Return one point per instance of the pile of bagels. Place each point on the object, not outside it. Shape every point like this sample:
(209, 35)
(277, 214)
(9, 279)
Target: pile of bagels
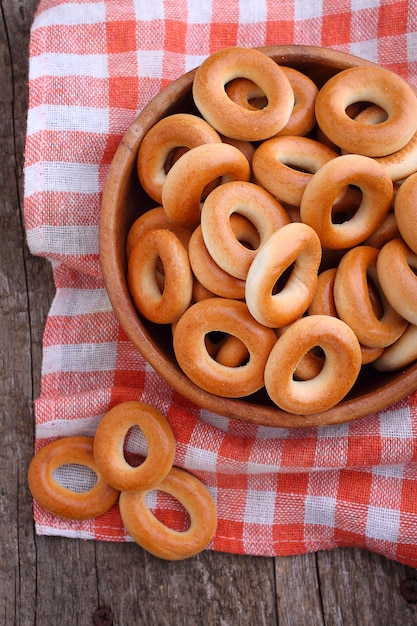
(115, 478)
(282, 244)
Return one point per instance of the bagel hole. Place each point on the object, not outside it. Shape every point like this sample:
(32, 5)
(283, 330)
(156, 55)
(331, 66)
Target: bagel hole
(346, 207)
(247, 244)
(294, 165)
(245, 231)
(173, 156)
(258, 101)
(355, 108)
(160, 275)
(310, 365)
(214, 337)
(75, 477)
(413, 268)
(375, 298)
(212, 341)
(282, 280)
(135, 447)
(168, 510)
(226, 349)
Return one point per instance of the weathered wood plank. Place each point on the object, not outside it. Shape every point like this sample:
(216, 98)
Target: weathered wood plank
(359, 587)
(66, 581)
(211, 588)
(17, 553)
(298, 591)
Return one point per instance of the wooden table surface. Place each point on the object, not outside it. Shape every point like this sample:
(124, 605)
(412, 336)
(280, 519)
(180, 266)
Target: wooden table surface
(54, 581)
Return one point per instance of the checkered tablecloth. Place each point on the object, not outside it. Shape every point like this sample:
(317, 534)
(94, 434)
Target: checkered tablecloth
(93, 66)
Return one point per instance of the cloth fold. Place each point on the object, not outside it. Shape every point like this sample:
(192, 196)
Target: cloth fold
(93, 65)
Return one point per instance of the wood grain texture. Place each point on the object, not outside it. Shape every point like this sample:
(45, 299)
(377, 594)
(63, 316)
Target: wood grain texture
(49, 581)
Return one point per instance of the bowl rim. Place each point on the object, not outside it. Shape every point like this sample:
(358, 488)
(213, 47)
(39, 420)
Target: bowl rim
(113, 270)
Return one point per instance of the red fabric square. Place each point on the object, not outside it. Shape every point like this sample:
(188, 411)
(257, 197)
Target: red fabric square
(364, 451)
(393, 17)
(293, 483)
(222, 36)
(354, 487)
(229, 535)
(121, 36)
(123, 90)
(175, 34)
(294, 455)
(409, 496)
(336, 29)
(289, 535)
(279, 32)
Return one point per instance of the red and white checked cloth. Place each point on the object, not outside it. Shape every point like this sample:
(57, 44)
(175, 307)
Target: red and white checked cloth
(94, 64)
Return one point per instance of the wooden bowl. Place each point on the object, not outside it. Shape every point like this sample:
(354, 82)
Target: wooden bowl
(124, 200)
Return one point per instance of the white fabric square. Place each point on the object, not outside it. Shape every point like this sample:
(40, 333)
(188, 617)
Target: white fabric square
(307, 10)
(259, 469)
(62, 176)
(359, 5)
(320, 510)
(71, 14)
(266, 432)
(150, 63)
(199, 12)
(383, 523)
(396, 424)
(68, 118)
(365, 49)
(334, 431)
(60, 64)
(412, 46)
(84, 357)
(74, 301)
(85, 426)
(260, 507)
(218, 421)
(148, 11)
(63, 240)
(198, 458)
(251, 12)
(389, 471)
